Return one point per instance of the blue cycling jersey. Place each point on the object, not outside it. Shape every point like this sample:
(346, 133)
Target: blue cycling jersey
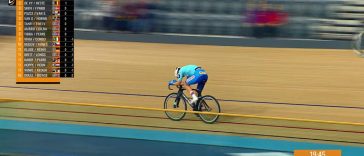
(195, 75)
(186, 71)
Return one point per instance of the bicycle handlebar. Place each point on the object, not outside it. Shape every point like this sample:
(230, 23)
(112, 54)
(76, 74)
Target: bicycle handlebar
(169, 87)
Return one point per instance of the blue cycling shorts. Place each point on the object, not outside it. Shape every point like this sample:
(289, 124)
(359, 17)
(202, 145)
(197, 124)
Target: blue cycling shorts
(200, 78)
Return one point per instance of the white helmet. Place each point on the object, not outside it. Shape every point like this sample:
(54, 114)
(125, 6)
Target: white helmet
(176, 72)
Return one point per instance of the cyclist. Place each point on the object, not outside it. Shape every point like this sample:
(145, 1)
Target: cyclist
(194, 75)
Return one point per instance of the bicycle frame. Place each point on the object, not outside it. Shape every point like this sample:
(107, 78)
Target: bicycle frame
(180, 94)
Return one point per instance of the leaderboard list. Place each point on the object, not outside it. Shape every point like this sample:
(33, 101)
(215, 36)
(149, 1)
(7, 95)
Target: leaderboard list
(67, 37)
(45, 40)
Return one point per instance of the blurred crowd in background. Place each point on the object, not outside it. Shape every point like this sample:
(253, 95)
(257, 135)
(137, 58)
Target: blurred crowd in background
(138, 16)
(128, 15)
(265, 19)
(323, 19)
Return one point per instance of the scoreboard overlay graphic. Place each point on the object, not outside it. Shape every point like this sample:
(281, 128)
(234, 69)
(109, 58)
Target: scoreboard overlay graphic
(44, 40)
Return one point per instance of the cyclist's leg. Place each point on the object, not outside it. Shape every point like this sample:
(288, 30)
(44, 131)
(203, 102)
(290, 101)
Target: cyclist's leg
(201, 83)
(187, 85)
(191, 81)
(200, 77)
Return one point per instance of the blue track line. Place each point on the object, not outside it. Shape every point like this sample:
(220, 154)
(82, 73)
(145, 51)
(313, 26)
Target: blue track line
(174, 137)
(162, 96)
(54, 144)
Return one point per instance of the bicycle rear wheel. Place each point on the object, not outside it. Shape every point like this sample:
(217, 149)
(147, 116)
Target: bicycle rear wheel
(209, 104)
(169, 103)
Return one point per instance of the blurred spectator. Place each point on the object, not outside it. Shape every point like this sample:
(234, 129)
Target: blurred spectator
(135, 16)
(108, 8)
(275, 18)
(144, 17)
(256, 17)
(126, 13)
(264, 18)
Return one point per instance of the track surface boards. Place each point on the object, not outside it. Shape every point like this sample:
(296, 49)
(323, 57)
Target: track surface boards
(308, 76)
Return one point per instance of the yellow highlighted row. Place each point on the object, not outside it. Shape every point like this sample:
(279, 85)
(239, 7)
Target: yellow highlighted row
(170, 110)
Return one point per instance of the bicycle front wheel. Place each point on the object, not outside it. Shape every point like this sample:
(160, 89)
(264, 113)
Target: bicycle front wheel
(209, 104)
(171, 103)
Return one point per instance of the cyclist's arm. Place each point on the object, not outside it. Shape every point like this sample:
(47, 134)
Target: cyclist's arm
(179, 80)
(178, 83)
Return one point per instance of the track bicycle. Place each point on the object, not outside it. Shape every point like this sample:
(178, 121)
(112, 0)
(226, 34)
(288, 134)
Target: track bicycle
(179, 101)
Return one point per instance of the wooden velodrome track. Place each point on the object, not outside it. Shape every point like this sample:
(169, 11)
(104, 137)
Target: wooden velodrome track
(294, 76)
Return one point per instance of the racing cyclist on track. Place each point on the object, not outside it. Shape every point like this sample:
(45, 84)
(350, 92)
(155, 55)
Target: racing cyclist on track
(194, 75)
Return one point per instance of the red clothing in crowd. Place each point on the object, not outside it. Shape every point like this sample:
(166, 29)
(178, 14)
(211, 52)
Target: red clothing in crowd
(276, 17)
(270, 17)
